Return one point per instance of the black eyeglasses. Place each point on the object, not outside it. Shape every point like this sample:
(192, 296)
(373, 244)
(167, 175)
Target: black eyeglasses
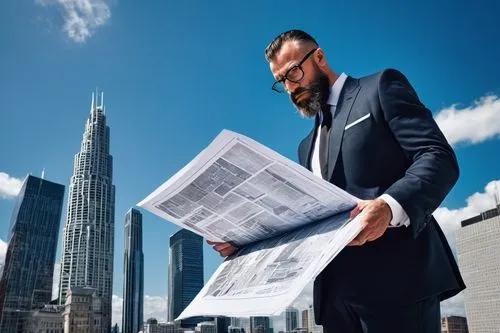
(295, 74)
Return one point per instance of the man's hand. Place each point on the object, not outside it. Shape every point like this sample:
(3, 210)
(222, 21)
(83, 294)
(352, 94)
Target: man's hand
(376, 219)
(224, 249)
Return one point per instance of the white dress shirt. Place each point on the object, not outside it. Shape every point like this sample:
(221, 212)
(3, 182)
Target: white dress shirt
(399, 216)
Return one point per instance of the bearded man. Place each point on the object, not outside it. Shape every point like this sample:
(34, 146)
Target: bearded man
(375, 139)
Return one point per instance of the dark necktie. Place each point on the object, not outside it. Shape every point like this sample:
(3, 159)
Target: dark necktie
(325, 126)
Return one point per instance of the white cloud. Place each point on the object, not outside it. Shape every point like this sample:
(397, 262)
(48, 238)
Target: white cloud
(3, 251)
(449, 219)
(55, 280)
(81, 17)
(453, 306)
(473, 124)
(279, 322)
(154, 306)
(305, 298)
(116, 314)
(9, 186)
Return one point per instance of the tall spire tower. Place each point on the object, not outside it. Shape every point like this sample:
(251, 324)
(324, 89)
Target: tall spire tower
(88, 240)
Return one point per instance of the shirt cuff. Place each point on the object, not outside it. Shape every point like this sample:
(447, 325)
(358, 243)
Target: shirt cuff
(399, 216)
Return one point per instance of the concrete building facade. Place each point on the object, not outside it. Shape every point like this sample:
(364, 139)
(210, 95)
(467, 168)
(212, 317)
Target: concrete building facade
(478, 249)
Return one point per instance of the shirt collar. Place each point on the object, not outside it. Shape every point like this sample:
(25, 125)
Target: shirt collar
(336, 89)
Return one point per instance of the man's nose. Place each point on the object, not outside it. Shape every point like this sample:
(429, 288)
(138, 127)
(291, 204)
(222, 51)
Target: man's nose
(290, 86)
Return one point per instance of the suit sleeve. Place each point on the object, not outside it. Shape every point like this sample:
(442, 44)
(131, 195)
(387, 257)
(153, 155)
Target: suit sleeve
(433, 166)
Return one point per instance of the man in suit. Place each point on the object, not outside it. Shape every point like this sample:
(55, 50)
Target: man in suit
(373, 138)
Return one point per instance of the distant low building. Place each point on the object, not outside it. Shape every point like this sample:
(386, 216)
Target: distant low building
(305, 319)
(153, 326)
(300, 330)
(260, 325)
(312, 327)
(206, 327)
(454, 324)
(167, 328)
(83, 311)
(234, 329)
(47, 319)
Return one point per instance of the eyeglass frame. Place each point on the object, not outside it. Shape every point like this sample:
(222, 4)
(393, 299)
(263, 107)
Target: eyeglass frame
(285, 77)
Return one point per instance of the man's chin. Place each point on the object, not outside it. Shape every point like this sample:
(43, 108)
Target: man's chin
(306, 113)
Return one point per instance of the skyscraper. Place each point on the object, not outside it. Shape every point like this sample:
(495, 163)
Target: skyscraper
(185, 274)
(260, 325)
(88, 241)
(291, 319)
(479, 260)
(29, 263)
(221, 324)
(133, 273)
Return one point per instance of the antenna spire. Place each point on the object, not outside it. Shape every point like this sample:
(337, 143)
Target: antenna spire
(43, 173)
(92, 103)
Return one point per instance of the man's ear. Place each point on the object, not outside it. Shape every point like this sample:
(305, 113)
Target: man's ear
(320, 58)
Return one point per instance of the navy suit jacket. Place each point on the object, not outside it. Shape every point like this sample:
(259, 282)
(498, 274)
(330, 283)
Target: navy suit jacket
(397, 149)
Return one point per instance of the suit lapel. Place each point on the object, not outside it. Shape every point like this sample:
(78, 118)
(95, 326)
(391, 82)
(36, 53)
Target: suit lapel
(344, 105)
(306, 146)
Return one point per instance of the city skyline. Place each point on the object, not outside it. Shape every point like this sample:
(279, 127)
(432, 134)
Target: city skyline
(175, 74)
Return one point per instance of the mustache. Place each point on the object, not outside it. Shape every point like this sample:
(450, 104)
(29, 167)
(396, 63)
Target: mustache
(297, 92)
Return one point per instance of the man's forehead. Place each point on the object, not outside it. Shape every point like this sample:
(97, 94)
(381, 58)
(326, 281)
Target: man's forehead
(288, 55)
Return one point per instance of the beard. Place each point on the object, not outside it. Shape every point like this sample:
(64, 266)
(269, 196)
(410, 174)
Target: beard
(318, 91)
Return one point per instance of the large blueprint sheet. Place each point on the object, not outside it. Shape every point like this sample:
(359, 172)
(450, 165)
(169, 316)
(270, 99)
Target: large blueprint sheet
(241, 191)
(286, 220)
(265, 277)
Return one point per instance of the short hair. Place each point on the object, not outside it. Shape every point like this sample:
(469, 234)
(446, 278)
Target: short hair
(290, 35)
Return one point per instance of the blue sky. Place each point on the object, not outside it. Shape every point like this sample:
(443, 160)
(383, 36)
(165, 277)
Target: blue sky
(175, 73)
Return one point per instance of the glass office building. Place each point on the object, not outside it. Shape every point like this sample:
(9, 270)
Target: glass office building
(260, 325)
(291, 319)
(185, 274)
(133, 274)
(26, 281)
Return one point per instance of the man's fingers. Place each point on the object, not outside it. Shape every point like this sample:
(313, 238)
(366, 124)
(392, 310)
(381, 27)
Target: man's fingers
(225, 249)
(356, 242)
(354, 212)
(367, 235)
(360, 239)
(358, 209)
(222, 246)
(227, 252)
